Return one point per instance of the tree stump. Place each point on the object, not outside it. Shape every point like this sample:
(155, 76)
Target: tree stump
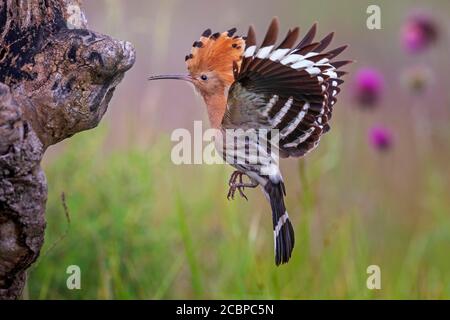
(56, 79)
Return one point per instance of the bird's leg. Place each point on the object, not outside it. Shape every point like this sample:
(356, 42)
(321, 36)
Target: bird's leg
(231, 183)
(239, 186)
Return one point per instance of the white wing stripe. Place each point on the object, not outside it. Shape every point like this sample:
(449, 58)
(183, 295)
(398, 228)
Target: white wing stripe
(311, 54)
(282, 112)
(294, 123)
(313, 71)
(249, 51)
(300, 139)
(302, 64)
(263, 53)
(270, 105)
(331, 73)
(292, 58)
(278, 54)
(323, 61)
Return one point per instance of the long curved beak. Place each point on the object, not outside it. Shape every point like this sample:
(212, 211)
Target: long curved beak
(184, 77)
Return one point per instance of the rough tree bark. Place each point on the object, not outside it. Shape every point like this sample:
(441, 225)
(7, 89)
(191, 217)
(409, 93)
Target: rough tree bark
(56, 79)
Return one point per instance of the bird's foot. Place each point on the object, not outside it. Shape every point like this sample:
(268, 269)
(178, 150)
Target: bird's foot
(236, 183)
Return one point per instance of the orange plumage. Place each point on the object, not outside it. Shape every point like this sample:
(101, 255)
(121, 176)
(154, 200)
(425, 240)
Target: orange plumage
(216, 52)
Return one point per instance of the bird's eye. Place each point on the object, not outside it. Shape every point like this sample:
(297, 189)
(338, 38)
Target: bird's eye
(204, 77)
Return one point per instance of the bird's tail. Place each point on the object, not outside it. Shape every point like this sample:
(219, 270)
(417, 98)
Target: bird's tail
(283, 233)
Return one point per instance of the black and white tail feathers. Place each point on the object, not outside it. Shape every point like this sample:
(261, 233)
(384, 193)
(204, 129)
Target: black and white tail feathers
(283, 232)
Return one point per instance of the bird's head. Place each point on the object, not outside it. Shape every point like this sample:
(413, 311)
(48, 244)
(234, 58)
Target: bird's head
(212, 62)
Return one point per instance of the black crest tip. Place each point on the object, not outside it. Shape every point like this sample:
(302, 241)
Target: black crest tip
(206, 33)
(231, 32)
(197, 44)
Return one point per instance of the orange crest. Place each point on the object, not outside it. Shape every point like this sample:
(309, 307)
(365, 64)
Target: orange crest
(216, 52)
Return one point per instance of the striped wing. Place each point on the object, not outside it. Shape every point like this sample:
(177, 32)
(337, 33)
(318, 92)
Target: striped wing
(290, 87)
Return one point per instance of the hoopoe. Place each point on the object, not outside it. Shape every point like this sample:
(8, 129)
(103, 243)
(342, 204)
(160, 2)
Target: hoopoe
(290, 88)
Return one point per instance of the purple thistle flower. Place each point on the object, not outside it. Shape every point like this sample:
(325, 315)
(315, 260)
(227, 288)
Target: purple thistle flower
(380, 138)
(369, 85)
(419, 32)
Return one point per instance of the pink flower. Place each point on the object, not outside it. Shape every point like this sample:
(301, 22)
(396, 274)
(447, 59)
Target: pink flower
(419, 32)
(380, 138)
(369, 85)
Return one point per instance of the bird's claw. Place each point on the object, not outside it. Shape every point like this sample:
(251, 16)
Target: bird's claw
(234, 185)
(232, 191)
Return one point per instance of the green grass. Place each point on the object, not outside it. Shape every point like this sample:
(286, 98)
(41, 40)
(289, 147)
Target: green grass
(144, 228)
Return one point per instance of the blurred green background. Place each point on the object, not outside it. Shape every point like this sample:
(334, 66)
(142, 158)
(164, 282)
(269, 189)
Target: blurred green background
(141, 227)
